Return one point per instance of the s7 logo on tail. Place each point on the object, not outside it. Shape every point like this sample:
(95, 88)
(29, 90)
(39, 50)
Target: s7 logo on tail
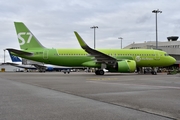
(22, 40)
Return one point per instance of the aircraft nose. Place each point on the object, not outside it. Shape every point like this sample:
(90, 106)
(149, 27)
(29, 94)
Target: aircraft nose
(173, 60)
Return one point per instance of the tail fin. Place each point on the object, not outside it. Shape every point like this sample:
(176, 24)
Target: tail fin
(14, 58)
(26, 39)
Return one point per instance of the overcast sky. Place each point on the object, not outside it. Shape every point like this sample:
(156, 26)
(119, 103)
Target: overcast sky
(53, 21)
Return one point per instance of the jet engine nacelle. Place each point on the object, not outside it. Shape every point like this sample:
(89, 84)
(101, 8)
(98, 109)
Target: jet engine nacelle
(49, 69)
(126, 66)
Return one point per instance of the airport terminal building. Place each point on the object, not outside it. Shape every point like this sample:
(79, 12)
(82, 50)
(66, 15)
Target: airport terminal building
(171, 46)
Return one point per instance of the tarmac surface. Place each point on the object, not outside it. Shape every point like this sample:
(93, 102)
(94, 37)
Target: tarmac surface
(85, 96)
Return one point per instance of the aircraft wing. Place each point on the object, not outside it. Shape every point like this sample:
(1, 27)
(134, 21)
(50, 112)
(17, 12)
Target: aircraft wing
(99, 56)
(20, 65)
(9, 63)
(41, 68)
(19, 52)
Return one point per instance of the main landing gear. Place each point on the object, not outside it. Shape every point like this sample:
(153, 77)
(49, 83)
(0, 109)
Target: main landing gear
(141, 70)
(154, 71)
(66, 71)
(99, 72)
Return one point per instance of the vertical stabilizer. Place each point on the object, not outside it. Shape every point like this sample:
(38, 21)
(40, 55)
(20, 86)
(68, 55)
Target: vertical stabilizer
(14, 58)
(26, 39)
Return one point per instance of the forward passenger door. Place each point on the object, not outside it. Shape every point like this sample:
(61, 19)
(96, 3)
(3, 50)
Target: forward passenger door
(157, 55)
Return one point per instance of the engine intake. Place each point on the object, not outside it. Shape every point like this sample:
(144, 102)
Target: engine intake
(126, 66)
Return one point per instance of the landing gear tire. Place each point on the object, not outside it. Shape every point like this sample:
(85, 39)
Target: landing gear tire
(154, 73)
(66, 72)
(99, 72)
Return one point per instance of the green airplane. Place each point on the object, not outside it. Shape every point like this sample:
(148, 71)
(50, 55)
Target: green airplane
(113, 60)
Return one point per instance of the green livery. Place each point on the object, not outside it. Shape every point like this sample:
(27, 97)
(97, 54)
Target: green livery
(114, 60)
(25, 37)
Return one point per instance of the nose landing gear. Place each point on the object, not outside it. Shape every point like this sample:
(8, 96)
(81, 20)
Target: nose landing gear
(99, 72)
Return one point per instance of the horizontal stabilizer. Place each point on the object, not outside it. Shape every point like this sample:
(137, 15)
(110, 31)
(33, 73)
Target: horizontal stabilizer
(19, 52)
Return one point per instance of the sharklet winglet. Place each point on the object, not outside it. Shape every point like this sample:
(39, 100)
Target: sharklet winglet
(81, 41)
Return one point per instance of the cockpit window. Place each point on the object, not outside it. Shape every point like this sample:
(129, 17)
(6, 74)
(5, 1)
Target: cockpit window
(166, 54)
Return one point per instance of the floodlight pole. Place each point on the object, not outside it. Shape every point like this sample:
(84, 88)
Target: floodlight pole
(156, 11)
(121, 41)
(94, 27)
(4, 55)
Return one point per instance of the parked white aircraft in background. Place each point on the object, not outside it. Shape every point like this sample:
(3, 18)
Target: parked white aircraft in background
(28, 64)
